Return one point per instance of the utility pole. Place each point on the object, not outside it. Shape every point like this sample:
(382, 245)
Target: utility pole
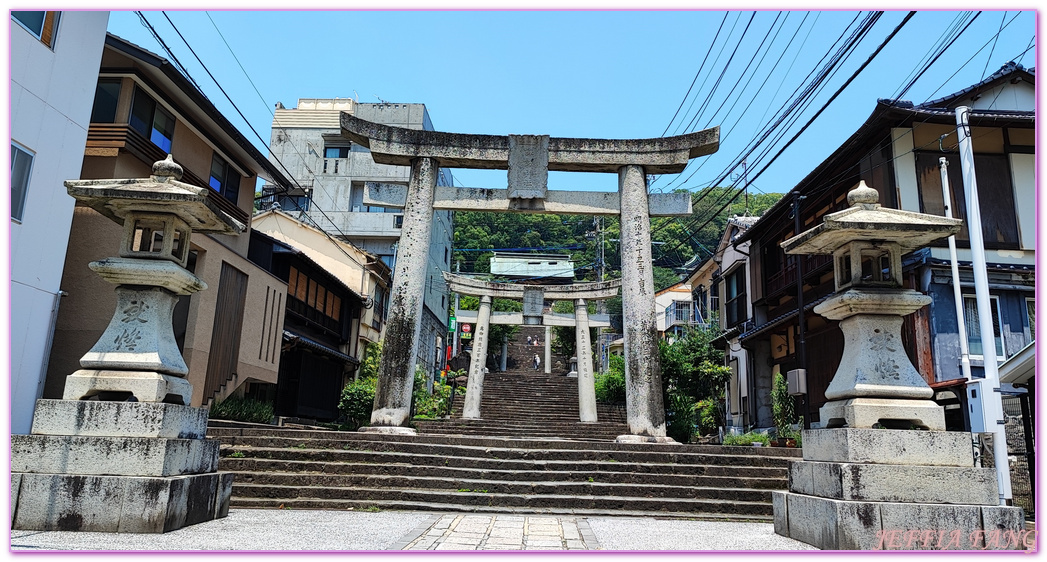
(801, 347)
(989, 397)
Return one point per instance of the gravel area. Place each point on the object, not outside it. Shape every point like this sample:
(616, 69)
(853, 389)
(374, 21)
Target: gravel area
(626, 533)
(248, 529)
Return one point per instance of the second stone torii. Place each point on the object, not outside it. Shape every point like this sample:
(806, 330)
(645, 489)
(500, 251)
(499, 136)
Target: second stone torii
(528, 159)
(533, 297)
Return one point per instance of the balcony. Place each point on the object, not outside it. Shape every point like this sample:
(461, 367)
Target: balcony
(682, 313)
(108, 139)
(784, 280)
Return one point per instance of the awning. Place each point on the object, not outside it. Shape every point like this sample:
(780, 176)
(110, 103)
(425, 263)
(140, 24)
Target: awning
(300, 340)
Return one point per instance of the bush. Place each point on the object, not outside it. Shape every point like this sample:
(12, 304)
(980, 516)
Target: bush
(357, 402)
(746, 439)
(426, 405)
(610, 386)
(709, 414)
(242, 409)
(680, 417)
(781, 406)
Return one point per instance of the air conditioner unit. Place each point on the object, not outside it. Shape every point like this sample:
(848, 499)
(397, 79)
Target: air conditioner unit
(797, 381)
(356, 208)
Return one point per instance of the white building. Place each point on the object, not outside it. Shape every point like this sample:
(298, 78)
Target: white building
(330, 171)
(54, 68)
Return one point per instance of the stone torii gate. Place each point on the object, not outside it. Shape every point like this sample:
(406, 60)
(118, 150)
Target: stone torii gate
(528, 159)
(533, 297)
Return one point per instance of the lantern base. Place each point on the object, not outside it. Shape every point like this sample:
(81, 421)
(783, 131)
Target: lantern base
(118, 386)
(885, 412)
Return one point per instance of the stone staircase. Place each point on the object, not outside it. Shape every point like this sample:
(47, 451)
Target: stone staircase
(310, 469)
(525, 403)
(528, 454)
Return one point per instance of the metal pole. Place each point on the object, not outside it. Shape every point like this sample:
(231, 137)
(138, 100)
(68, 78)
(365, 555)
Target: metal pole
(801, 349)
(965, 356)
(991, 399)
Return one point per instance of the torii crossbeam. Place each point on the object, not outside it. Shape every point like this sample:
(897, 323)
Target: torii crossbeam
(528, 159)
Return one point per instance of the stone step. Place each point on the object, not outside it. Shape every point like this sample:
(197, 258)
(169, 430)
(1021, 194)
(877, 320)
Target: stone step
(334, 451)
(619, 473)
(339, 437)
(441, 499)
(348, 486)
(343, 505)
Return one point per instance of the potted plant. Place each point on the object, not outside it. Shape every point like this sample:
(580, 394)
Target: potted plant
(781, 408)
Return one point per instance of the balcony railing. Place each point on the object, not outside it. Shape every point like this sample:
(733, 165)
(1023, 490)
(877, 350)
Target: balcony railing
(781, 281)
(682, 313)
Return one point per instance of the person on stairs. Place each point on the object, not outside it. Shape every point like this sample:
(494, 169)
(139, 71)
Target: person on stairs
(537, 361)
(528, 340)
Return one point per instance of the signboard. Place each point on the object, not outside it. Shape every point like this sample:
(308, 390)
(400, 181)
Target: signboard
(452, 324)
(467, 332)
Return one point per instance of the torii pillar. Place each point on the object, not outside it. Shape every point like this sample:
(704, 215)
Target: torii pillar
(528, 159)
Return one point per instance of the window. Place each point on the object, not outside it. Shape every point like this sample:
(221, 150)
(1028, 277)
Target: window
(336, 152)
(734, 297)
(224, 178)
(106, 95)
(1030, 311)
(153, 121)
(293, 202)
(974, 338)
(41, 24)
(21, 167)
(995, 195)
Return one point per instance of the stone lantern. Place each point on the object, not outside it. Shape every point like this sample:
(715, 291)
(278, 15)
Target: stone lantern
(875, 384)
(882, 473)
(137, 354)
(123, 451)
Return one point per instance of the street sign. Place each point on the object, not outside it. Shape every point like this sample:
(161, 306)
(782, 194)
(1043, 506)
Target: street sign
(467, 328)
(452, 324)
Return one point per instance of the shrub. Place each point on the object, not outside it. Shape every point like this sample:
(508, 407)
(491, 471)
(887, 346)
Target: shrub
(426, 405)
(242, 409)
(357, 402)
(610, 386)
(709, 414)
(680, 417)
(746, 439)
(781, 406)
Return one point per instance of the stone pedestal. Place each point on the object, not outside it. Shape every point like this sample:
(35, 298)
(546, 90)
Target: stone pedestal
(129, 467)
(883, 489)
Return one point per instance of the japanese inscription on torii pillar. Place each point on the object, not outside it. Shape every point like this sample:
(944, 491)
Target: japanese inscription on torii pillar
(528, 159)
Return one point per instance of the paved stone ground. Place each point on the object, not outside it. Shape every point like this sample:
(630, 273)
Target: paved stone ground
(297, 530)
(502, 532)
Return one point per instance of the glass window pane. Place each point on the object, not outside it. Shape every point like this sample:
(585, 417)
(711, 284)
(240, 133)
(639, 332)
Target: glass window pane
(217, 173)
(142, 108)
(32, 20)
(106, 95)
(300, 289)
(321, 296)
(21, 166)
(970, 318)
(292, 280)
(1030, 308)
(163, 129)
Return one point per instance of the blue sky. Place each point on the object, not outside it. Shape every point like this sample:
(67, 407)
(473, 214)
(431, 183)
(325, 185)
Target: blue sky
(596, 74)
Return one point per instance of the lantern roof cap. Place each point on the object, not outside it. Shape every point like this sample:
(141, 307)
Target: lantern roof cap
(161, 193)
(865, 220)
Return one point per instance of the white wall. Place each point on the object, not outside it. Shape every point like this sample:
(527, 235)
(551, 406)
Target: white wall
(51, 97)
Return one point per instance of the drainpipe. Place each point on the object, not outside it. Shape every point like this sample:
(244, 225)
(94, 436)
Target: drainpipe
(957, 293)
(801, 349)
